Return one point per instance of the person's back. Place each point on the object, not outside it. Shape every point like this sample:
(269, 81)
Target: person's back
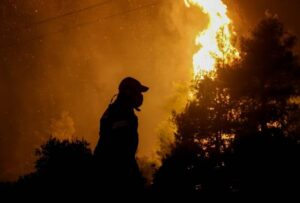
(117, 146)
(118, 135)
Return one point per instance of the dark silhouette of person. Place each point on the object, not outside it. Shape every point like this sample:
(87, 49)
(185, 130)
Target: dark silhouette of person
(118, 142)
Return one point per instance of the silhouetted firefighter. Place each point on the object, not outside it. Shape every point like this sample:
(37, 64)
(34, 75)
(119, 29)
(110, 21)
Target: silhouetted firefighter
(117, 168)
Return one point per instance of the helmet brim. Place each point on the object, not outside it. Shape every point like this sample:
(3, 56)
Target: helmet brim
(144, 88)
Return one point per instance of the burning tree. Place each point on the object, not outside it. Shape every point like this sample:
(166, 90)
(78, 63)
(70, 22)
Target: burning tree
(239, 133)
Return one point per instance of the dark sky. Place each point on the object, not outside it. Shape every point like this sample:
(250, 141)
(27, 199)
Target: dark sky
(59, 84)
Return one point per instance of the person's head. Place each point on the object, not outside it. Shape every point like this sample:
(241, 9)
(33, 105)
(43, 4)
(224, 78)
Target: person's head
(131, 89)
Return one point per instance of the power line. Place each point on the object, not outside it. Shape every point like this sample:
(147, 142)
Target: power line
(87, 23)
(66, 14)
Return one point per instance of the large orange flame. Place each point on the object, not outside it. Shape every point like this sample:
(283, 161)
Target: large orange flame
(215, 41)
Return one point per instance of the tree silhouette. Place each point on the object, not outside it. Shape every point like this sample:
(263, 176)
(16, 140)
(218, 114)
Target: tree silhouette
(263, 86)
(265, 80)
(240, 132)
(63, 169)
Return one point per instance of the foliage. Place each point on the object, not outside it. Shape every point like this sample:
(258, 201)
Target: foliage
(240, 133)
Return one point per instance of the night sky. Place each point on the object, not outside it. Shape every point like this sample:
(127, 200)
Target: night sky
(58, 76)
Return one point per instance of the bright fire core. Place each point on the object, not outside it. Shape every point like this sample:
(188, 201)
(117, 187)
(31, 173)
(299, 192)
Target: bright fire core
(215, 41)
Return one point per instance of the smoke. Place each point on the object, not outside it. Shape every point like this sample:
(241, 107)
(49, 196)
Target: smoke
(77, 65)
(78, 70)
(62, 127)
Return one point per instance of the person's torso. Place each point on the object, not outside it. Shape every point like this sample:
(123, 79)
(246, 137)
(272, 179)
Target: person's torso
(118, 133)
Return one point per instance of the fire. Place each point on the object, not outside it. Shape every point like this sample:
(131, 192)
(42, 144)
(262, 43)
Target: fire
(215, 41)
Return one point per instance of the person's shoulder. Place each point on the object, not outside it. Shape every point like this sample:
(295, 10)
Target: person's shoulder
(107, 113)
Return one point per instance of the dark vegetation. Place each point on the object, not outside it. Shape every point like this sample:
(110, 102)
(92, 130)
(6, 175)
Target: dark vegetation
(239, 136)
